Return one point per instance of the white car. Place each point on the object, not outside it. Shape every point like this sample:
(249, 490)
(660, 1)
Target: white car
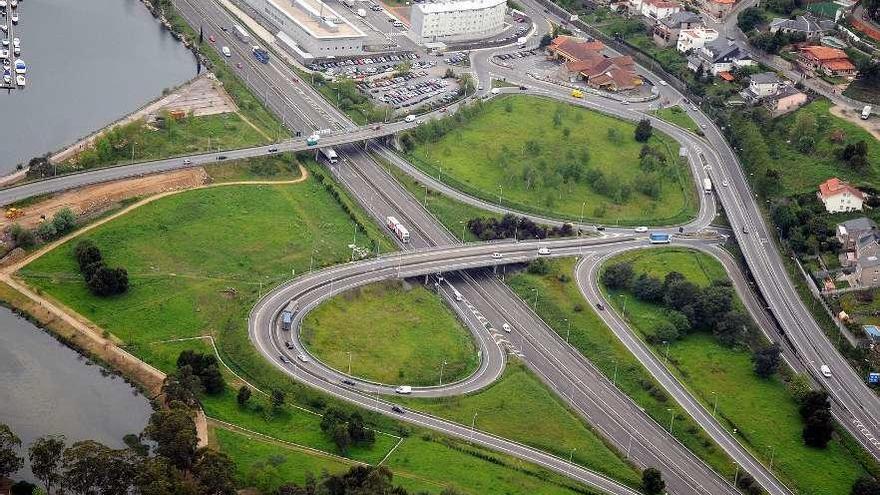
(187, 161)
(403, 390)
(226, 51)
(724, 183)
(543, 251)
(662, 82)
(506, 327)
(303, 358)
(496, 256)
(826, 371)
(641, 229)
(410, 118)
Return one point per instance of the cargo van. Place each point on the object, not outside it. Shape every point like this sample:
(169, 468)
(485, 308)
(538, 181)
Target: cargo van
(403, 390)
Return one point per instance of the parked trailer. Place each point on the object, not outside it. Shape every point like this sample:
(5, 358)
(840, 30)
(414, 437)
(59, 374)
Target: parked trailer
(659, 238)
(707, 185)
(241, 33)
(330, 155)
(399, 230)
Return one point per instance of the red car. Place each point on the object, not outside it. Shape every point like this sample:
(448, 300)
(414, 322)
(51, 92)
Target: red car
(212, 39)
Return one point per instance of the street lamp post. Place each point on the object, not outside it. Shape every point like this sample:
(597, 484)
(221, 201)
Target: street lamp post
(623, 296)
(473, 426)
(500, 193)
(583, 205)
(571, 455)
(462, 230)
(715, 407)
(536, 298)
(614, 381)
(772, 452)
(666, 357)
(442, 365)
(349, 362)
(568, 331)
(671, 419)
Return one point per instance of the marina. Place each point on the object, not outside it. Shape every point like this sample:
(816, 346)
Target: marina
(11, 47)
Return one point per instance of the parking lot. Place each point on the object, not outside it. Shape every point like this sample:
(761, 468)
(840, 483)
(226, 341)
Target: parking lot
(358, 68)
(411, 91)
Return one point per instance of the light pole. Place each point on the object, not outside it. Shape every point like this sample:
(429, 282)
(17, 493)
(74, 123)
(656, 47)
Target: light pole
(772, 452)
(571, 454)
(715, 407)
(536, 298)
(462, 230)
(671, 420)
(614, 381)
(583, 205)
(623, 297)
(349, 362)
(500, 193)
(442, 365)
(568, 332)
(666, 357)
(473, 426)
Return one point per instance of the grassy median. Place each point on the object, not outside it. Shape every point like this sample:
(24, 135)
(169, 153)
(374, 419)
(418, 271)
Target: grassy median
(762, 411)
(544, 156)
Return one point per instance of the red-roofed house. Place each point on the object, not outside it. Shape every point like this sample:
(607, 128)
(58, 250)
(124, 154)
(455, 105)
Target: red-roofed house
(571, 49)
(838, 196)
(655, 9)
(826, 60)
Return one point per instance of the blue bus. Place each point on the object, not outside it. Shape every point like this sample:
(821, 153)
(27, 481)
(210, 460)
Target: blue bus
(659, 238)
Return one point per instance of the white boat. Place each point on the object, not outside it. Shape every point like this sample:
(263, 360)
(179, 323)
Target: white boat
(4, 27)
(20, 80)
(17, 51)
(16, 41)
(13, 4)
(5, 42)
(20, 67)
(15, 17)
(2, 4)
(7, 78)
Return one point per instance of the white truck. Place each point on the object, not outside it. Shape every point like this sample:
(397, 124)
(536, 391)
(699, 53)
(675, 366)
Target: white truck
(362, 12)
(399, 230)
(241, 33)
(521, 42)
(330, 155)
(866, 112)
(707, 185)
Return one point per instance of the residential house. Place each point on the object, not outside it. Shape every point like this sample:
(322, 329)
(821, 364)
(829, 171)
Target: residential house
(825, 60)
(787, 99)
(667, 29)
(838, 196)
(719, 57)
(718, 8)
(584, 61)
(694, 39)
(654, 9)
(763, 84)
(809, 26)
(850, 231)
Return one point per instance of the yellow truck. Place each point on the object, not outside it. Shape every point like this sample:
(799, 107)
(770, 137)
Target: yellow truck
(577, 93)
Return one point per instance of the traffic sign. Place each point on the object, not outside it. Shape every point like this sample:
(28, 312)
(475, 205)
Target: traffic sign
(873, 377)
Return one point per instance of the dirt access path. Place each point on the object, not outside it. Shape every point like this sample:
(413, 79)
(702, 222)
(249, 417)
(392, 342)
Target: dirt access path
(71, 325)
(871, 125)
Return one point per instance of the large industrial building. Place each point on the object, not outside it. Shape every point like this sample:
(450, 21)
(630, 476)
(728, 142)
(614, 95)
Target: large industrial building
(458, 20)
(311, 29)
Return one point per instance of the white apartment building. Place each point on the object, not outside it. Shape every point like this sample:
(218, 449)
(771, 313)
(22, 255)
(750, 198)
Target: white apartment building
(838, 196)
(655, 9)
(694, 39)
(311, 29)
(458, 20)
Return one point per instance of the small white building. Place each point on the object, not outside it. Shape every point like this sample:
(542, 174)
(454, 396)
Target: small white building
(694, 39)
(655, 9)
(763, 84)
(458, 20)
(838, 196)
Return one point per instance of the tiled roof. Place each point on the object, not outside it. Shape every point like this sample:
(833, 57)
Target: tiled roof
(822, 53)
(835, 186)
(576, 48)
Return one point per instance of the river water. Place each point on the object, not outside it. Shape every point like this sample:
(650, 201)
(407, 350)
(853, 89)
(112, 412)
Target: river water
(90, 62)
(47, 388)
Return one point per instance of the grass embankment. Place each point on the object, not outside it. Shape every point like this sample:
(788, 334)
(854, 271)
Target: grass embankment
(196, 260)
(763, 412)
(142, 141)
(453, 214)
(521, 408)
(396, 334)
(558, 299)
(676, 115)
(281, 167)
(548, 157)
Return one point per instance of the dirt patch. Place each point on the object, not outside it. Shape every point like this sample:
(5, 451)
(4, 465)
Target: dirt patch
(92, 200)
(871, 125)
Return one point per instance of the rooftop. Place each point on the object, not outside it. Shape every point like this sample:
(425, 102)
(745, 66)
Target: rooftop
(803, 23)
(764, 78)
(317, 18)
(576, 48)
(823, 53)
(858, 224)
(835, 186)
(872, 331)
(681, 17)
(457, 5)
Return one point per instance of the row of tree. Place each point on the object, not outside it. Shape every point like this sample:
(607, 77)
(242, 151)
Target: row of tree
(688, 307)
(511, 226)
(102, 280)
(62, 222)
(346, 429)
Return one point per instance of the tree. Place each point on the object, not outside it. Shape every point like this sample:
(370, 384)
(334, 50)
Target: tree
(766, 360)
(87, 254)
(157, 476)
(648, 288)
(174, 432)
(818, 429)
(277, 399)
(45, 456)
(750, 18)
(618, 276)
(664, 331)
(22, 237)
(680, 294)
(244, 395)
(215, 472)
(10, 461)
(107, 281)
(358, 432)
(205, 367)
(731, 329)
(865, 485)
(714, 302)
(64, 221)
(652, 482)
(90, 467)
(643, 130)
(22, 487)
(182, 386)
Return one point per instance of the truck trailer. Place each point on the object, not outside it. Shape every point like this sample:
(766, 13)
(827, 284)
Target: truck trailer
(399, 230)
(707, 185)
(330, 155)
(241, 33)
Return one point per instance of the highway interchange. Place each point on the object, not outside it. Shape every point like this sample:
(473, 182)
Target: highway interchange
(485, 298)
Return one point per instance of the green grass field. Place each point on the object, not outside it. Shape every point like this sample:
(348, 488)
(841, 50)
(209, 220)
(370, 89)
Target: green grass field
(523, 155)
(817, 166)
(558, 299)
(763, 411)
(139, 141)
(521, 408)
(396, 333)
(676, 115)
(281, 167)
